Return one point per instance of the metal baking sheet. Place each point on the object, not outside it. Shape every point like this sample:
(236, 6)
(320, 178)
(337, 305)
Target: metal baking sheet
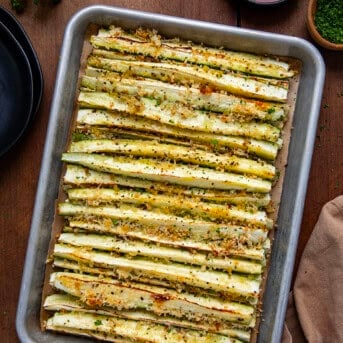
(296, 176)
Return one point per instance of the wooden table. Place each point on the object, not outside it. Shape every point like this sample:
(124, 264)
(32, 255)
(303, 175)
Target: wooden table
(20, 167)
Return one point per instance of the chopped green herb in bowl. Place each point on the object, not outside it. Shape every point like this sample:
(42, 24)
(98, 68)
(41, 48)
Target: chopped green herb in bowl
(325, 23)
(329, 20)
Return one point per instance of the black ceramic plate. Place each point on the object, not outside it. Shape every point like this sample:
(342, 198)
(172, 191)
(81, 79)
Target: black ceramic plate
(16, 90)
(19, 33)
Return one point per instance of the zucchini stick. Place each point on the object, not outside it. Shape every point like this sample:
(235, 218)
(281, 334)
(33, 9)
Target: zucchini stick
(169, 204)
(233, 285)
(176, 114)
(79, 176)
(120, 274)
(108, 119)
(123, 330)
(177, 226)
(233, 246)
(99, 80)
(147, 43)
(168, 172)
(100, 292)
(134, 248)
(177, 153)
(84, 268)
(240, 85)
(123, 56)
(64, 302)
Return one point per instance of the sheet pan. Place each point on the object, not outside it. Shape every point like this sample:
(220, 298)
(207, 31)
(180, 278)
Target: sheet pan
(296, 176)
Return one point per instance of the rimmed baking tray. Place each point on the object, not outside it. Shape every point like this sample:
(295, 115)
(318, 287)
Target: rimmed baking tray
(296, 176)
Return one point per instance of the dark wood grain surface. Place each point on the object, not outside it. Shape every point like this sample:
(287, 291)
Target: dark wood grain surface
(20, 167)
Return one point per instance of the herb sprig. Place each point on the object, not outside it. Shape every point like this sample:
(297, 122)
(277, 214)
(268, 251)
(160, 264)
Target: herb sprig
(19, 5)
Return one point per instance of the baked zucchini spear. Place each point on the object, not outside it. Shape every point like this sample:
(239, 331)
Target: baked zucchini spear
(198, 98)
(78, 176)
(172, 204)
(222, 241)
(148, 43)
(109, 119)
(144, 148)
(114, 329)
(231, 285)
(102, 292)
(135, 248)
(122, 275)
(64, 302)
(240, 85)
(161, 171)
(122, 56)
(178, 226)
(176, 114)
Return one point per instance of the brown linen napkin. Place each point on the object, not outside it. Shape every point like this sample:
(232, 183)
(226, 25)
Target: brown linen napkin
(315, 307)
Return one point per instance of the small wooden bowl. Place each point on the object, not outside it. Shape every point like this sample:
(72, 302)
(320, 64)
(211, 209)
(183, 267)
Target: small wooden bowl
(312, 6)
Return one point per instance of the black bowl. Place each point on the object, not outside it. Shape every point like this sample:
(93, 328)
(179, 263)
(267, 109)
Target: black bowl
(19, 33)
(16, 90)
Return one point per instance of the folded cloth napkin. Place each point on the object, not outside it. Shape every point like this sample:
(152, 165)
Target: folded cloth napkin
(315, 307)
